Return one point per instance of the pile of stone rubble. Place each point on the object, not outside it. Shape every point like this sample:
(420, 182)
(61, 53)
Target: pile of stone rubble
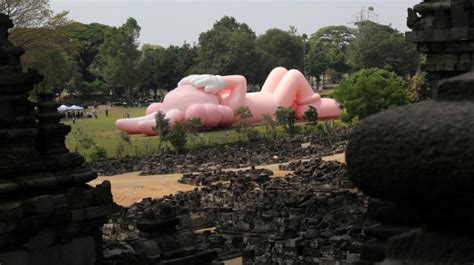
(205, 178)
(308, 217)
(233, 155)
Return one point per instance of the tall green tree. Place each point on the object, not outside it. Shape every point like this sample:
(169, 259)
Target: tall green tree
(162, 68)
(151, 65)
(226, 49)
(187, 57)
(120, 57)
(51, 50)
(328, 51)
(91, 37)
(383, 47)
(369, 91)
(279, 48)
(27, 13)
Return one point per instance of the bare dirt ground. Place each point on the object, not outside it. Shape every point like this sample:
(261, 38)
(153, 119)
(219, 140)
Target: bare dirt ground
(131, 187)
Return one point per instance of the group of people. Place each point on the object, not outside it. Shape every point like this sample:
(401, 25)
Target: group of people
(75, 115)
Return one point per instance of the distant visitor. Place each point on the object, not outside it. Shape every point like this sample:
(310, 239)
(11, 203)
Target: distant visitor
(214, 100)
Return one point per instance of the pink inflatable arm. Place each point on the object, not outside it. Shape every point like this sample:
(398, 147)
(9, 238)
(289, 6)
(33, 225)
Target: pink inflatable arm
(234, 92)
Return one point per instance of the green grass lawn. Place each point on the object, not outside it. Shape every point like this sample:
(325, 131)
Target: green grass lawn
(103, 133)
(326, 92)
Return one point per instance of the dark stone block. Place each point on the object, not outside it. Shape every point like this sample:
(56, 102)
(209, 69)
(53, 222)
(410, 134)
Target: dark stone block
(392, 171)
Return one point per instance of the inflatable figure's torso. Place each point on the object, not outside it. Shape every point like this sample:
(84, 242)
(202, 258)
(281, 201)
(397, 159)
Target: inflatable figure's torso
(183, 97)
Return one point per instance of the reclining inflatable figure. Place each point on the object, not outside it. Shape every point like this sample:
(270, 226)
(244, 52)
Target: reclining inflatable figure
(214, 100)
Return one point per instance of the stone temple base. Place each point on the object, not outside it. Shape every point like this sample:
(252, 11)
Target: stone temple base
(81, 251)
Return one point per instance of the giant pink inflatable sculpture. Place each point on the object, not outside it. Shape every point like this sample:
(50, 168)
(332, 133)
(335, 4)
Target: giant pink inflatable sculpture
(214, 100)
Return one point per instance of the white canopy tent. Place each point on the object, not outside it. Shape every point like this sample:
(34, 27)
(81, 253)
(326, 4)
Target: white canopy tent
(64, 108)
(74, 107)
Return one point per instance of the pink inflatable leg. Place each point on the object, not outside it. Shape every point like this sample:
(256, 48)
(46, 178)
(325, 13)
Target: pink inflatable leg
(327, 108)
(294, 86)
(174, 116)
(227, 116)
(273, 79)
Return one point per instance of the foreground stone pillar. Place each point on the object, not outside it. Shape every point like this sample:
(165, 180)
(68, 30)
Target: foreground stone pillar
(48, 214)
(418, 160)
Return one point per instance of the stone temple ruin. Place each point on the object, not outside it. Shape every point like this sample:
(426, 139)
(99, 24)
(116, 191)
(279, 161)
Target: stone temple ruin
(48, 214)
(416, 162)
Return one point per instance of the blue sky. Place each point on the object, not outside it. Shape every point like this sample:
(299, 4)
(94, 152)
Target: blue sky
(166, 22)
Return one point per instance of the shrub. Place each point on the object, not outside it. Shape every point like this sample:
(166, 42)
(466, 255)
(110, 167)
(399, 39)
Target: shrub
(125, 137)
(177, 137)
(311, 115)
(369, 91)
(419, 89)
(83, 140)
(161, 127)
(98, 153)
(269, 125)
(286, 117)
(253, 134)
(243, 112)
(193, 126)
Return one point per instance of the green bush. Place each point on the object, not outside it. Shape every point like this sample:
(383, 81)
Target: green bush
(125, 137)
(161, 127)
(177, 137)
(369, 91)
(311, 115)
(286, 117)
(419, 88)
(83, 140)
(98, 153)
(243, 113)
(253, 134)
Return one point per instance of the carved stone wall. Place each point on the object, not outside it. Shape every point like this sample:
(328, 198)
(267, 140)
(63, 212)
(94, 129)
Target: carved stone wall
(48, 214)
(416, 161)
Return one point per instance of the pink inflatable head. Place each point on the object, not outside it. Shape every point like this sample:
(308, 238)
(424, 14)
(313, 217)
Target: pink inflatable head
(183, 97)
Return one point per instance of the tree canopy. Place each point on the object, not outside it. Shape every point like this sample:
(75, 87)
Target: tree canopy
(383, 47)
(120, 56)
(226, 49)
(50, 49)
(91, 37)
(95, 59)
(279, 48)
(27, 13)
(369, 91)
(328, 50)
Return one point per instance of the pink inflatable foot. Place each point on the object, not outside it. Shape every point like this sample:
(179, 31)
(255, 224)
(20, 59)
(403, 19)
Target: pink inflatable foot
(327, 108)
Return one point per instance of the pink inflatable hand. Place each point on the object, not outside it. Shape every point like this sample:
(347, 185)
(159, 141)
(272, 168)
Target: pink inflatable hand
(131, 126)
(148, 126)
(211, 83)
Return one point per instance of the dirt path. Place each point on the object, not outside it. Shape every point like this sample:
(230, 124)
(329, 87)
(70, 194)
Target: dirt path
(131, 187)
